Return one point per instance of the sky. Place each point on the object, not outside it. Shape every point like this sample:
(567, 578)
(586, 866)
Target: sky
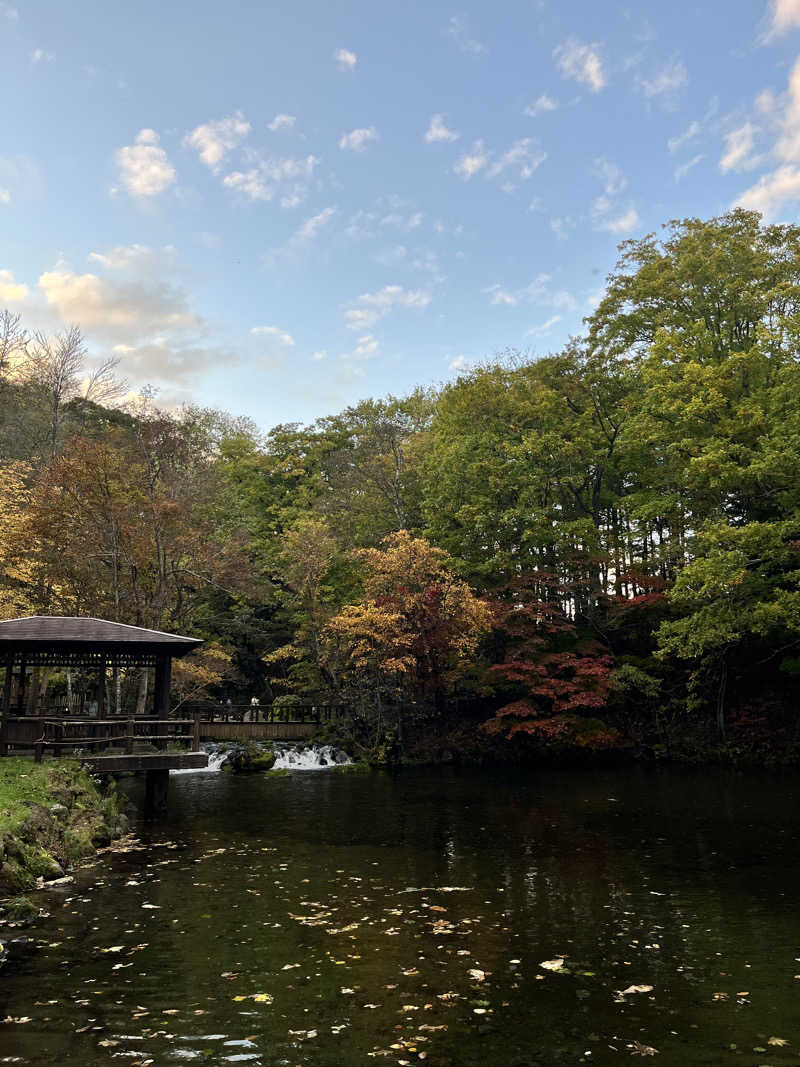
(278, 209)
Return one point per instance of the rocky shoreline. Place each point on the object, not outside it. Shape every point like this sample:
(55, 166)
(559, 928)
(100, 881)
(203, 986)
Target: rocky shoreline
(51, 818)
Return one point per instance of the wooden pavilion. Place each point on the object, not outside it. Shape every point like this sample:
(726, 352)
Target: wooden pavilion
(93, 646)
(85, 644)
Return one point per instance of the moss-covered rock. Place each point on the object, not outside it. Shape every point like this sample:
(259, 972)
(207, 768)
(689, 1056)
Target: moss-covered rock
(251, 759)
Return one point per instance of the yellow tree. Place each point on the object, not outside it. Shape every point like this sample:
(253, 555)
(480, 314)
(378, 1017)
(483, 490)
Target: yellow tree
(15, 576)
(416, 630)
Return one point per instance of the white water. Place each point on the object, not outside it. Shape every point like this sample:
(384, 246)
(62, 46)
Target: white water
(288, 757)
(313, 758)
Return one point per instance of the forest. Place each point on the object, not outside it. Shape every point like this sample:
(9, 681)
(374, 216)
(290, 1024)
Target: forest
(591, 553)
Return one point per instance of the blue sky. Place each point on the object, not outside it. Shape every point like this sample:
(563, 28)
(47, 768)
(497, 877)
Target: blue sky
(278, 209)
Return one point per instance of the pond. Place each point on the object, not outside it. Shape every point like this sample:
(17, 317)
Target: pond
(454, 918)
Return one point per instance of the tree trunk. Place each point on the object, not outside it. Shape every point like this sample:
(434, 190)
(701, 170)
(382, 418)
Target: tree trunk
(141, 697)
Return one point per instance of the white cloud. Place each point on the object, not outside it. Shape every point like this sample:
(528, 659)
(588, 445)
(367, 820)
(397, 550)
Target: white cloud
(458, 30)
(606, 212)
(282, 122)
(118, 309)
(581, 62)
(136, 259)
(471, 163)
(544, 328)
(459, 363)
(772, 191)
(261, 181)
(322, 354)
(665, 83)
(541, 105)
(214, 140)
(684, 168)
(11, 291)
(689, 134)
(624, 223)
(357, 140)
(40, 55)
(739, 148)
(366, 347)
(275, 333)
(785, 16)
(144, 167)
(781, 114)
(5, 196)
(562, 226)
(9, 12)
(345, 60)
(169, 360)
(536, 292)
(373, 306)
(438, 131)
(521, 157)
(311, 227)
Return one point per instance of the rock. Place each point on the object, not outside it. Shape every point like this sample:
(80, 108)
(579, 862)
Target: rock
(59, 811)
(12, 880)
(251, 759)
(38, 825)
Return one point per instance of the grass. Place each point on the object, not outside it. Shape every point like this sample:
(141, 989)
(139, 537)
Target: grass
(22, 781)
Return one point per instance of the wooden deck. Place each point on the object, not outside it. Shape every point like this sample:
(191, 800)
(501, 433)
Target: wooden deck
(256, 731)
(147, 761)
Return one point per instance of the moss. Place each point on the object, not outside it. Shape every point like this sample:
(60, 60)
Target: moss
(20, 910)
(352, 768)
(37, 842)
(251, 759)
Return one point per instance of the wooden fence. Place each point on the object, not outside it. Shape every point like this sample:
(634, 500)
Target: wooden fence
(67, 734)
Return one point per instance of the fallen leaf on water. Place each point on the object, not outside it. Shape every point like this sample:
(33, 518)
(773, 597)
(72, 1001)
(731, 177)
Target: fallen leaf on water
(637, 989)
(552, 965)
(477, 974)
(779, 1041)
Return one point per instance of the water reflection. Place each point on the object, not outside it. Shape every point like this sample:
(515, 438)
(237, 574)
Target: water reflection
(345, 918)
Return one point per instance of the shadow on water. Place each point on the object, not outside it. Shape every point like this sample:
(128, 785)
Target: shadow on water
(334, 918)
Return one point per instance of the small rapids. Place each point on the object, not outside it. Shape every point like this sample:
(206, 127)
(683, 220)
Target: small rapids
(290, 757)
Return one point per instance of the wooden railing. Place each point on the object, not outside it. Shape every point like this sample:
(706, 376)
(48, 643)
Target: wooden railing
(70, 733)
(267, 713)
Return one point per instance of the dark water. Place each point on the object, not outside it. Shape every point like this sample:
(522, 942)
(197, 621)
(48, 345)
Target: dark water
(327, 918)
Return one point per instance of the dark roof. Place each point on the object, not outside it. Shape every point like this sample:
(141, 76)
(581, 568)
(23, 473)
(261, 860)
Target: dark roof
(37, 631)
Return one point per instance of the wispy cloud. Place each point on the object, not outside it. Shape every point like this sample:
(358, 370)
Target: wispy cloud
(519, 161)
(214, 140)
(262, 180)
(357, 140)
(674, 144)
(541, 106)
(439, 132)
(739, 149)
(665, 84)
(544, 328)
(345, 59)
(41, 55)
(606, 211)
(784, 15)
(282, 122)
(312, 226)
(458, 31)
(581, 62)
(684, 168)
(370, 307)
(144, 169)
(8, 11)
(273, 332)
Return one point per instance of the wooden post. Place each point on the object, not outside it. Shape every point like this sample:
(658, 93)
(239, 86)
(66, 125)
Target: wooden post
(23, 666)
(101, 690)
(196, 734)
(162, 686)
(6, 709)
(156, 792)
(131, 732)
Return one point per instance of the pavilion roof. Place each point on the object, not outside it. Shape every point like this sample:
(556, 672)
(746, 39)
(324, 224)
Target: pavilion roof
(39, 632)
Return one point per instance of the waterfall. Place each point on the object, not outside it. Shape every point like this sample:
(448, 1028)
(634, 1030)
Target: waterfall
(291, 757)
(309, 757)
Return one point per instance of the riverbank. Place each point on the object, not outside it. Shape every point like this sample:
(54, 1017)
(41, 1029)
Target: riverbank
(52, 815)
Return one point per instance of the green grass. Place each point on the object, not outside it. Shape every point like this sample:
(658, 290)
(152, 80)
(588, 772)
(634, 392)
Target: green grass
(21, 781)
